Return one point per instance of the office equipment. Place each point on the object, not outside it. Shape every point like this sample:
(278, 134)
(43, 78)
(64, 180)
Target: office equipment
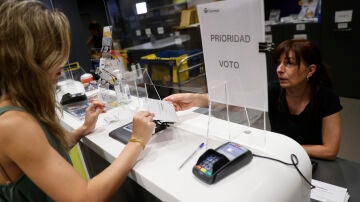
(123, 133)
(72, 98)
(216, 164)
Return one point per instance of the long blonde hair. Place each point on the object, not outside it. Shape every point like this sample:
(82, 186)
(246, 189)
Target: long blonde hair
(33, 42)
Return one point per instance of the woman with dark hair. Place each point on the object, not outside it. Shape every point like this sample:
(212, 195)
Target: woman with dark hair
(34, 163)
(302, 104)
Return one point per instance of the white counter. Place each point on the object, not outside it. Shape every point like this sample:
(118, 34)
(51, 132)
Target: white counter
(157, 169)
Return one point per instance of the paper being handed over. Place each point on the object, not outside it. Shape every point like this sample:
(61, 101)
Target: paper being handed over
(163, 110)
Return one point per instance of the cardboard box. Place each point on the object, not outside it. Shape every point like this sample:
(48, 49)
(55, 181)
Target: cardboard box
(188, 17)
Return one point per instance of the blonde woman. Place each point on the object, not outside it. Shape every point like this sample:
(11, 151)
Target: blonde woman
(34, 164)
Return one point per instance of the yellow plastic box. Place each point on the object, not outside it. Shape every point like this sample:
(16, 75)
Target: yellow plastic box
(163, 66)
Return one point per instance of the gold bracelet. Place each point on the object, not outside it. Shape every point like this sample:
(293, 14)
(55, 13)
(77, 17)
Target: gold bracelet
(141, 142)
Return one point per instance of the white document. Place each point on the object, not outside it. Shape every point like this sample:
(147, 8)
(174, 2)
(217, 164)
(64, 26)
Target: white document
(328, 193)
(163, 110)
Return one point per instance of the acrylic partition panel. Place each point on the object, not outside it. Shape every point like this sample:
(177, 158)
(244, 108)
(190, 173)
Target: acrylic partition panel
(235, 122)
(134, 86)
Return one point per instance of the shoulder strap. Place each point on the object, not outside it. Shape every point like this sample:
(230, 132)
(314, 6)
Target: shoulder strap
(53, 142)
(10, 108)
(6, 176)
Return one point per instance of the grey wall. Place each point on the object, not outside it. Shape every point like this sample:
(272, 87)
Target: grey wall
(350, 129)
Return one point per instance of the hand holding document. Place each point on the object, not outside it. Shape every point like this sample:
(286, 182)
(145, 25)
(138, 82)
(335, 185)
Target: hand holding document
(163, 110)
(328, 192)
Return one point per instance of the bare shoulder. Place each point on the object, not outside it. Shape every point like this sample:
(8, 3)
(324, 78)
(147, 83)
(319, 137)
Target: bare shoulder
(18, 127)
(15, 120)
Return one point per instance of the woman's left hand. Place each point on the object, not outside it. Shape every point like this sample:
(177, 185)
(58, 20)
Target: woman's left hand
(92, 114)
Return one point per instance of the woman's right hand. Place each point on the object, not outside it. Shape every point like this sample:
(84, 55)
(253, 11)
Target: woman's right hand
(184, 101)
(143, 126)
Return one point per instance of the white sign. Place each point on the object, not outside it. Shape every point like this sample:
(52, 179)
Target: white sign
(147, 31)
(300, 27)
(231, 32)
(343, 16)
(160, 30)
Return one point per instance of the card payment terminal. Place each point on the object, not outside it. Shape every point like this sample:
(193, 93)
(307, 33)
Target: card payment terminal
(214, 165)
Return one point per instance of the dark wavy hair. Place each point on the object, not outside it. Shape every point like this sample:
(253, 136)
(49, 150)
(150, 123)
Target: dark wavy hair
(307, 52)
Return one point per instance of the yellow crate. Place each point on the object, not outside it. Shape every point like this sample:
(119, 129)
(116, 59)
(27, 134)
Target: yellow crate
(162, 67)
(73, 71)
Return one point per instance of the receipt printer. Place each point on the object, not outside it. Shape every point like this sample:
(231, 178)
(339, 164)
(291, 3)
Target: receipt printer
(214, 165)
(72, 98)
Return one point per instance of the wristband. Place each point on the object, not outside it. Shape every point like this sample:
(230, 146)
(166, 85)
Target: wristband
(141, 142)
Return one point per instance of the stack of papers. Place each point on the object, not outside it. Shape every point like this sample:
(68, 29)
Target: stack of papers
(328, 192)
